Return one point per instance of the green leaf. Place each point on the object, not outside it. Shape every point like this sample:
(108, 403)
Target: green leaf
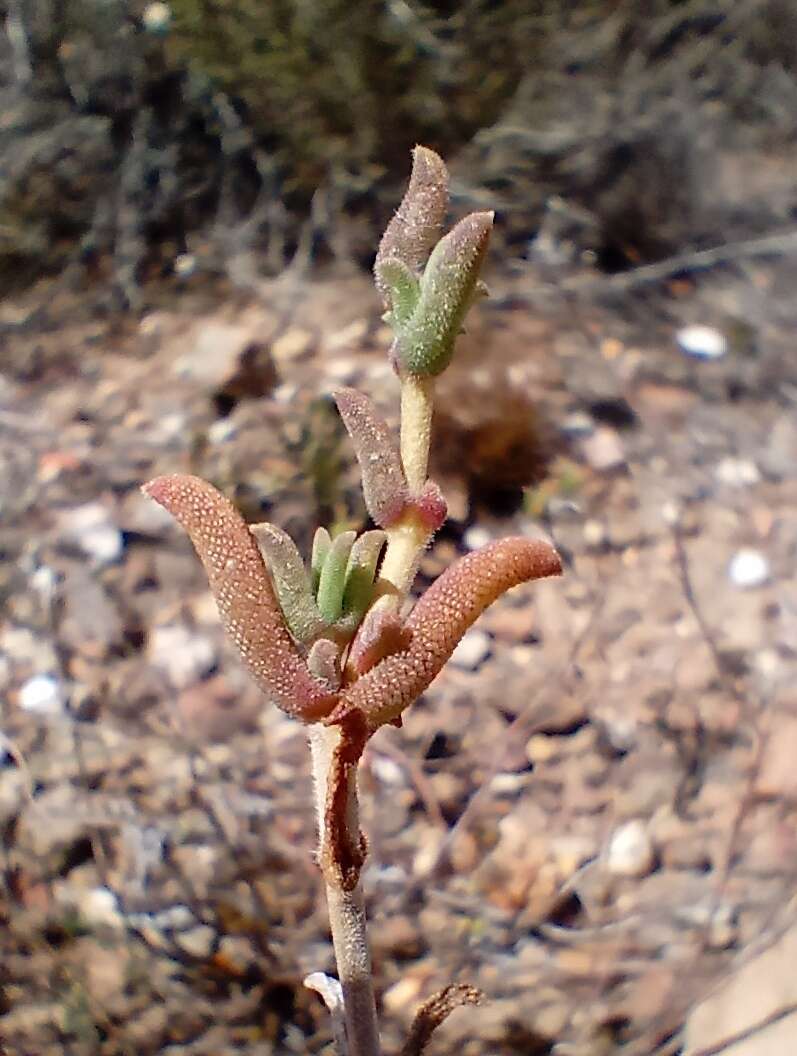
(291, 582)
(333, 577)
(403, 289)
(321, 546)
(449, 285)
(360, 571)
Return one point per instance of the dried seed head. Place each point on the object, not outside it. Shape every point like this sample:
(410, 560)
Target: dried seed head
(384, 486)
(434, 1011)
(241, 586)
(418, 221)
(449, 285)
(439, 620)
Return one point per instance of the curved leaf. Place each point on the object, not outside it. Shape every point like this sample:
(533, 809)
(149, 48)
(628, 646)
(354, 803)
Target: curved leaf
(291, 581)
(440, 619)
(418, 221)
(241, 586)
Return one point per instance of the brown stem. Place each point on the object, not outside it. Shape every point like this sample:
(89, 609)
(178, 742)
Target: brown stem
(346, 909)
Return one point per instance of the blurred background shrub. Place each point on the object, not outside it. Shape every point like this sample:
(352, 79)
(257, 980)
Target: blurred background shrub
(236, 132)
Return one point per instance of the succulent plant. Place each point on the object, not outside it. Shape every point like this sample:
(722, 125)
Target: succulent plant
(331, 644)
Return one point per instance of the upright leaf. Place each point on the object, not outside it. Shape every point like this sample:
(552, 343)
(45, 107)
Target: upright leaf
(418, 221)
(333, 577)
(384, 486)
(291, 581)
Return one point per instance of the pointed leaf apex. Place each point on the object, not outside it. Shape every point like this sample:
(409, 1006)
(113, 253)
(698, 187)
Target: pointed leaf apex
(244, 595)
(418, 221)
(384, 486)
(449, 286)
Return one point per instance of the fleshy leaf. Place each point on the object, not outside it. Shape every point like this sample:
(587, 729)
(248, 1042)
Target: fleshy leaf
(245, 598)
(291, 581)
(333, 577)
(360, 571)
(322, 541)
(439, 620)
(430, 506)
(418, 221)
(425, 344)
(380, 634)
(323, 661)
(403, 286)
(384, 486)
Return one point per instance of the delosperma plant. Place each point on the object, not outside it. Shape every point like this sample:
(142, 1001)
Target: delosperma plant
(331, 642)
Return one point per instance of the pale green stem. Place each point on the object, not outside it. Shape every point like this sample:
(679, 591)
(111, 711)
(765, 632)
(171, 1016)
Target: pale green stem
(416, 429)
(407, 539)
(346, 912)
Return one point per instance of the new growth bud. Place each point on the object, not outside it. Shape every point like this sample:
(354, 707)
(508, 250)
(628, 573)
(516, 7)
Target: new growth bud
(418, 221)
(449, 285)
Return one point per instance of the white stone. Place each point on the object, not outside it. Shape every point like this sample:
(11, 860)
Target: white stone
(90, 527)
(737, 472)
(748, 568)
(578, 424)
(99, 907)
(630, 850)
(702, 342)
(594, 533)
(386, 770)
(44, 581)
(185, 656)
(604, 449)
(178, 916)
(221, 431)
(198, 942)
(185, 265)
(472, 650)
(157, 17)
(41, 695)
(476, 536)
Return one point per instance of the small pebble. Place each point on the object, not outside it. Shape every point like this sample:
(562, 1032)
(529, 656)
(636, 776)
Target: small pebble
(578, 425)
(90, 527)
(156, 18)
(221, 430)
(185, 656)
(604, 449)
(41, 695)
(185, 265)
(702, 342)
(99, 906)
(198, 942)
(472, 650)
(476, 536)
(748, 568)
(630, 850)
(594, 533)
(737, 472)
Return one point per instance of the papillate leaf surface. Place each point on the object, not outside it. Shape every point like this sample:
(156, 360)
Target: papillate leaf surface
(240, 583)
